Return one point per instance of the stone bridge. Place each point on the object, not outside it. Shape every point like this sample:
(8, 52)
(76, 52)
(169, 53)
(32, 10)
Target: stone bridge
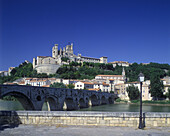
(33, 98)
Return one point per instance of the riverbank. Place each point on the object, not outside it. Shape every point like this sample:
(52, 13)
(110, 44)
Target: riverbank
(34, 130)
(147, 103)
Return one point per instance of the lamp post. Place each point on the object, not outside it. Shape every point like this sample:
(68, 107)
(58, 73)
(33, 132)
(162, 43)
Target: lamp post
(141, 79)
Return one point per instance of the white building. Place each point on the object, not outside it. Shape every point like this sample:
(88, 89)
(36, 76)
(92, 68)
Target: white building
(9, 70)
(69, 81)
(108, 77)
(166, 83)
(84, 85)
(39, 82)
(3, 73)
(120, 63)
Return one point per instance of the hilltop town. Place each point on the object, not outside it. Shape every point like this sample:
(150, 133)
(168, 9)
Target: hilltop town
(64, 69)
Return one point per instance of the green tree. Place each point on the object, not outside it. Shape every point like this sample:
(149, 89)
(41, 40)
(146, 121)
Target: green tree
(42, 75)
(65, 59)
(70, 86)
(133, 92)
(168, 73)
(58, 85)
(168, 93)
(156, 87)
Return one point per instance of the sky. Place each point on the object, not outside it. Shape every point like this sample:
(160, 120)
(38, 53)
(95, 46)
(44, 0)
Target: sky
(123, 30)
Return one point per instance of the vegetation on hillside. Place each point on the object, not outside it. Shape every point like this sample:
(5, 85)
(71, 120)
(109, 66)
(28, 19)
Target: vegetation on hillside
(61, 85)
(133, 70)
(88, 70)
(23, 70)
(58, 85)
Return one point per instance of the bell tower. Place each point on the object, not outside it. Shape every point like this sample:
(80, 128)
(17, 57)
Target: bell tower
(123, 73)
(55, 51)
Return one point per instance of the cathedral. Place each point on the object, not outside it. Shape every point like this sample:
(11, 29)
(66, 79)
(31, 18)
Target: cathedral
(49, 65)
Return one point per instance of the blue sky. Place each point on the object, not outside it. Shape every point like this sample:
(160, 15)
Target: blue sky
(123, 30)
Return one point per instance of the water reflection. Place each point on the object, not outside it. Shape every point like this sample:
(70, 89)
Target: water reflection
(10, 105)
(127, 108)
(15, 105)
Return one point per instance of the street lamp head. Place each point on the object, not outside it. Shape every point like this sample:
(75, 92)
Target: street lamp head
(141, 77)
(111, 81)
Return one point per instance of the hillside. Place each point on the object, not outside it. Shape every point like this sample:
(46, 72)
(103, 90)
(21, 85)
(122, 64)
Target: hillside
(89, 70)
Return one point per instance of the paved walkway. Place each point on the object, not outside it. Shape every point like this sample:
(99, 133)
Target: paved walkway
(31, 130)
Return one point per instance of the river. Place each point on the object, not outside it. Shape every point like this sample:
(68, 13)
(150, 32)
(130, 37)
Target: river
(15, 105)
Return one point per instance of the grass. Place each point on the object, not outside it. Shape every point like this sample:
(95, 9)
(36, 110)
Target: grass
(152, 102)
(157, 102)
(145, 102)
(119, 100)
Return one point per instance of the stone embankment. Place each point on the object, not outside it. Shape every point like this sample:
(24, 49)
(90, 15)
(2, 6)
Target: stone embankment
(124, 119)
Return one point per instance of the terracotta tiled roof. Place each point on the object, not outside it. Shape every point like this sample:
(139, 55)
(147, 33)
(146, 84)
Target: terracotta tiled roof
(136, 82)
(110, 75)
(111, 79)
(33, 80)
(7, 83)
(105, 84)
(28, 78)
(51, 78)
(96, 83)
(94, 89)
(39, 80)
(22, 82)
(46, 86)
(120, 84)
(89, 83)
(163, 79)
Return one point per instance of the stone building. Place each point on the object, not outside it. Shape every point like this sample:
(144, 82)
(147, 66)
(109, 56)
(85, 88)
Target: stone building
(49, 65)
(120, 63)
(3, 73)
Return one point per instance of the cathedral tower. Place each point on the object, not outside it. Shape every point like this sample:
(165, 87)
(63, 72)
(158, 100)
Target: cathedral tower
(55, 51)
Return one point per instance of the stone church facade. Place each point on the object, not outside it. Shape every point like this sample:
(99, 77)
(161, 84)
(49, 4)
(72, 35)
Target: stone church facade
(49, 65)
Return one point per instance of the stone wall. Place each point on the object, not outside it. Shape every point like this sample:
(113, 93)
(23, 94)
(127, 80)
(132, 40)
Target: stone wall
(128, 119)
(47, 68)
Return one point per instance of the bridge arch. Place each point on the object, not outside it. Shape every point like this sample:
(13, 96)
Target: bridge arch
(51, 103)
(103, 100)
(23, 99)
(93, 100)
(82, 103)
(69, 104)
(111, 100)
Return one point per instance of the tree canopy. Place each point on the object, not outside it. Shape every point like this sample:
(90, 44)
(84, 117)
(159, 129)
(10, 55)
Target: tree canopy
(58, 85)
(156, 87)
(133, 92)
